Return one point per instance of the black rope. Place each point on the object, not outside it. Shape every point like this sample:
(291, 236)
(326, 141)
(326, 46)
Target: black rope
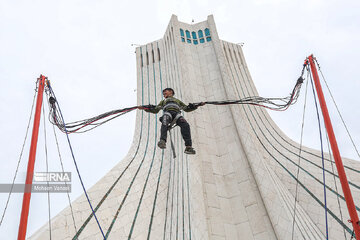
(160, 171)
(188, 194)
(138, 169)
(51, 92)
(300, 149)
(47, 171)
(114, 184)
(81, 126)
(337, 109)
(322, 155)
(285, 140)
(177, 191)
(281, 153)
(86, 124)
(63, 170)
(156, 195)
(20, 156)
(312, 195)
(336, 189)
(151, 164)
(182, 187)
(167, 197)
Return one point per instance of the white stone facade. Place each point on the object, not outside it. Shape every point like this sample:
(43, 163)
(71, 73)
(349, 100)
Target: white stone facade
(239, 185)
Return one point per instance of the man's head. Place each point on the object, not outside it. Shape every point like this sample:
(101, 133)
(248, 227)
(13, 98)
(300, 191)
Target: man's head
(168, 92)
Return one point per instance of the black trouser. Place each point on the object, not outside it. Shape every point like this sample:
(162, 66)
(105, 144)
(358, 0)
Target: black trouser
(181, 122)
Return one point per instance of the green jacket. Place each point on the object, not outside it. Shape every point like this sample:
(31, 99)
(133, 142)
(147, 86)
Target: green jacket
(170, 101)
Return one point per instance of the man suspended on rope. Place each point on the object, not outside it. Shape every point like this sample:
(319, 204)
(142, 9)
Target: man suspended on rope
(172, 114)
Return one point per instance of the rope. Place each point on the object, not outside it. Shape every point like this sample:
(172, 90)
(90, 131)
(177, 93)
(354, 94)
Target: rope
(47, 171)
(177, 190)
(87, 124)
(155, 196)
(301, 184)
(336, 189)
(74, 160)
(172, 199)
(182, 187)
(168, 188)
(285, 140)
(297, 155)
(142, 161)
(20, 157)
(311, 162)
(167, 198)
(152, 161)
(298, 169)
(174, 166)
(113, 185)
(189, 214)
(63, 170)
(337, 109)
(322, 154)
(282, 154)
(129, 188)
(161, 165)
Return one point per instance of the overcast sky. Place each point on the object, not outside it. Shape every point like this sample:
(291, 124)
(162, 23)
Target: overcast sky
(84, 47)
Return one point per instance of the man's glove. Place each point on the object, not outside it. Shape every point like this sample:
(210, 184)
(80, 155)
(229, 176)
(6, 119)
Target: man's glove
(147, 107)
(150, 106)
(192, 106)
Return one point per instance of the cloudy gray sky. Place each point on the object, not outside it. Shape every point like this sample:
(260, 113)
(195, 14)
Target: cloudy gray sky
(84, 47)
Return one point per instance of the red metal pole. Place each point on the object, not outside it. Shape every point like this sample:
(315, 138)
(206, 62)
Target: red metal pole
(339, 165)
(31, 163)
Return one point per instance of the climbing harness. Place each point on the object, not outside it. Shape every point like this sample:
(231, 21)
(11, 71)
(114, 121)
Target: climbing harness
(171, 105)
(170, 125)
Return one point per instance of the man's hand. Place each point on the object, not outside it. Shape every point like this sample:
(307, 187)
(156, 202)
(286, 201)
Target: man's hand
(144, 107)
(192, 106)
(202, 104)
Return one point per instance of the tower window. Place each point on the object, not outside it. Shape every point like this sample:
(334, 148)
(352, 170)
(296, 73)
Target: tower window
(141, 60)
(195, 42)
(187, 34)
(183, 39)
(181, 32)
(201, 36)
(158, 50)
(188, 40)
(153, 57)
(208, 39)
(200, 33)
(207, 32)
(193, 35)
(147, 58)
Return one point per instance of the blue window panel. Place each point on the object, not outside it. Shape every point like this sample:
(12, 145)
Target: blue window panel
(181, 32)
(188, 40)
(183, 39)
(195, 42)
(193, 35)
(208, 39)
(202, 40)
(187, 34)
(200, 33)
(207, 32)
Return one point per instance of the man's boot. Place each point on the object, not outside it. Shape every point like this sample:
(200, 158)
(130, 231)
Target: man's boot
(189, 150)
(162, 144)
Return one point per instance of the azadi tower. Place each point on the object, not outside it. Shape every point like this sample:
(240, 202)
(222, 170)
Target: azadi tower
(243, 180)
